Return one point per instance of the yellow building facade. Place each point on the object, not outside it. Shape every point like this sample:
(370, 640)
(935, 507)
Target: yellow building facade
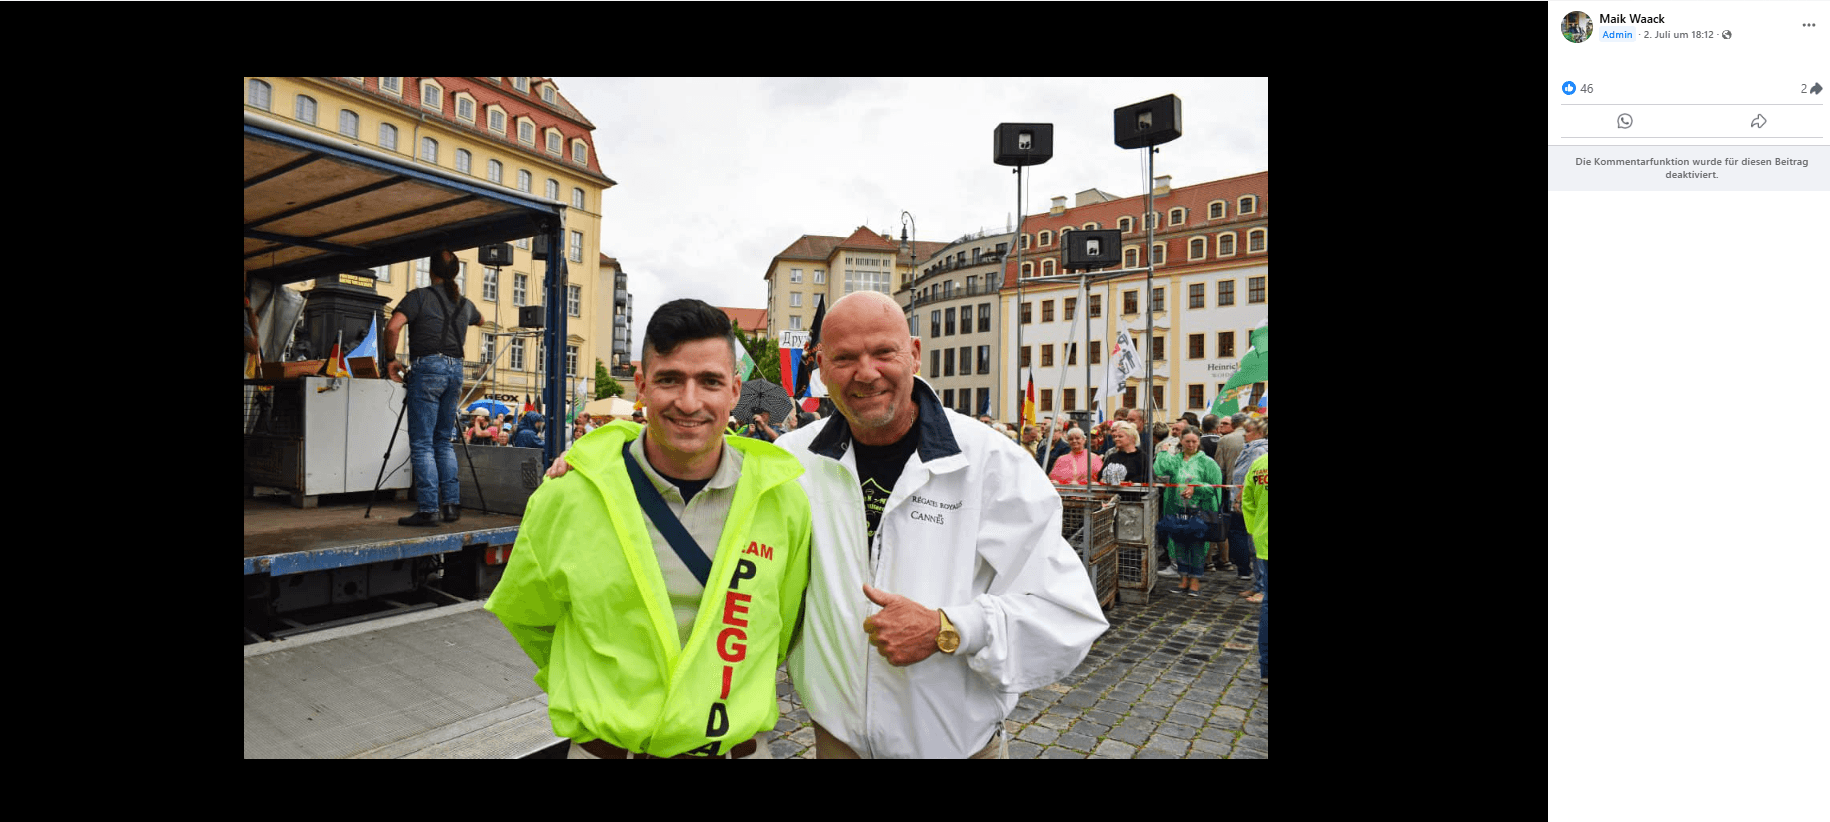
(819, 267)
(516, 132)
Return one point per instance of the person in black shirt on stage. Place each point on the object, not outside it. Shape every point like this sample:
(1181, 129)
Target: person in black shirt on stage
(438, 316)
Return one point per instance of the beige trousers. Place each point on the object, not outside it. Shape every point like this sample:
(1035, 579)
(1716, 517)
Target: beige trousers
(827, 746)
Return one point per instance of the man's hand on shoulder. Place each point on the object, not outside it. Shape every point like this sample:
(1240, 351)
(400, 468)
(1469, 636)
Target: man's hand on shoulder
(905, 631)
(560, 466)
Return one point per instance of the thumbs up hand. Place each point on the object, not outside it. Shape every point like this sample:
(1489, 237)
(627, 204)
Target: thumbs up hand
(905, 631)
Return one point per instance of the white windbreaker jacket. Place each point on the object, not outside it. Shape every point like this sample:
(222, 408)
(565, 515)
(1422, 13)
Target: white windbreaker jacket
(973, 527)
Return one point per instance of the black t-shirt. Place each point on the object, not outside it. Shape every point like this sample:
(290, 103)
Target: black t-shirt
(878, 468)
(1136, 465)
(687, 487)
(426, 310)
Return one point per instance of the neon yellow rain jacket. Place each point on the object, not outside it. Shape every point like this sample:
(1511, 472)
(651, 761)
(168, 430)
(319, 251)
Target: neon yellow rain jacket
(1256, 505)
(584, 597)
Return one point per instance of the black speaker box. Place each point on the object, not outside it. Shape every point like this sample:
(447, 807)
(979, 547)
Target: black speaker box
(1089, 250)
(540, 246)
(1023, 144)
(496, 255)
(533, 316)
(1148, 123)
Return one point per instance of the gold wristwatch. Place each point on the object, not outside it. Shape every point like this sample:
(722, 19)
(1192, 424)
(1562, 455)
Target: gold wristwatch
(949, 637)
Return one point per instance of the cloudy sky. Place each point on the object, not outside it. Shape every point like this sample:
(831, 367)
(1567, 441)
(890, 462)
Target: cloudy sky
(717, 176)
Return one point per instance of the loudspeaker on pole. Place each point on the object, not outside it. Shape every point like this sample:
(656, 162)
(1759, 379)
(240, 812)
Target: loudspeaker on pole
(1023, 144)
(1087, 250)
(496, 255)
(1149, 123)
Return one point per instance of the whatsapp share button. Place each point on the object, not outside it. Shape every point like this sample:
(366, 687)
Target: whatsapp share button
(1682, 168)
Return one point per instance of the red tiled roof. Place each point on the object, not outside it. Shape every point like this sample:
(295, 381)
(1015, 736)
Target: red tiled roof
(923, 250)
(866, 238)
(752, 320)
(559, 101)
(1194, 198)
(570, 123)
(811, 247)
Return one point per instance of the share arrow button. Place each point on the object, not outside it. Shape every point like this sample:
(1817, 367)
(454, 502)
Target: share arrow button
(1759, 121)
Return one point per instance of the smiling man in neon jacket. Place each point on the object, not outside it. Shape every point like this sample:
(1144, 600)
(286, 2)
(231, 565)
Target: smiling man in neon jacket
(638, 658)
(941, 587)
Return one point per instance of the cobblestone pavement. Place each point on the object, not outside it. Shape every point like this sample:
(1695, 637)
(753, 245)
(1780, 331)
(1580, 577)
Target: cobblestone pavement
(1159, 684)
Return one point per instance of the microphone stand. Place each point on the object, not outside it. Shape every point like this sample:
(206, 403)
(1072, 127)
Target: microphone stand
(387, 455)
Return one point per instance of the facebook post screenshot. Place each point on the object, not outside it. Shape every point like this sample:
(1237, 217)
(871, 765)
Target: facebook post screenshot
(1689, 382)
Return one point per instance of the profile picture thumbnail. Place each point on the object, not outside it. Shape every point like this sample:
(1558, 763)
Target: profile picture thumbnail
(1577, 27)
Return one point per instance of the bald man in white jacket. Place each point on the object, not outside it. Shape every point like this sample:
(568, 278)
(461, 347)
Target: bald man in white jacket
(942, 588)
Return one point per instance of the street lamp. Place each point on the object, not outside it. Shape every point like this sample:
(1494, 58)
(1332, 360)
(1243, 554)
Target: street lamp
(908, 222)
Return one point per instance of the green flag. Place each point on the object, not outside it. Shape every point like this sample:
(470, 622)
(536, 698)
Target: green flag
(744, 364)
(1253, 367)
(577, 402)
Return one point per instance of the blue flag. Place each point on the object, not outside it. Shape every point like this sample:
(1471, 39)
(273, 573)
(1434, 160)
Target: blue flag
(368, 348)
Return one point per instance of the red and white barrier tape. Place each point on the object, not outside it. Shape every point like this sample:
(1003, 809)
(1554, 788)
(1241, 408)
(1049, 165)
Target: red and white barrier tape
(1140, 485)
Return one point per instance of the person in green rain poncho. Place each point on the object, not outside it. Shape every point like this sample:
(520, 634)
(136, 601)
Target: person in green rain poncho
(1198, 475)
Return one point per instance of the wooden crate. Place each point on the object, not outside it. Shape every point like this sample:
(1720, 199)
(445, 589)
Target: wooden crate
(290, 370)
(366, 367)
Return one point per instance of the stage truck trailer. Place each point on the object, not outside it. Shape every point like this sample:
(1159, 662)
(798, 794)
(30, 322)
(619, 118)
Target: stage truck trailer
(438, 681)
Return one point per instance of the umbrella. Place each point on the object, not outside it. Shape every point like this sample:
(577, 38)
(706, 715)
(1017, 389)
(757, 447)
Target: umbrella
(490, 407)
(610, 407)
(771, 396)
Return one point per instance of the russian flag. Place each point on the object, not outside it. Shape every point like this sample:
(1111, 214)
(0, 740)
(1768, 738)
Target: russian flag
(791, 368)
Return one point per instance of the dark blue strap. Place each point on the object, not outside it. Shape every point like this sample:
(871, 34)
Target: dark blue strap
(665, 521)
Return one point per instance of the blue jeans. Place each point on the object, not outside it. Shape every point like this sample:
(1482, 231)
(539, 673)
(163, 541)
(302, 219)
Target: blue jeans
(1264, 621)
(1189, 560)
(1257, 574)
(432, 397)
(1239, 545)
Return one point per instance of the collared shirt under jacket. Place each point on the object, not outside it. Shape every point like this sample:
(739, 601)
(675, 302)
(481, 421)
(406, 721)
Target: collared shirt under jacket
(971, 527)
(584, 596)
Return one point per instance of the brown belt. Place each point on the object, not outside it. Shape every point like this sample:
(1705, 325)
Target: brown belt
(605, 750)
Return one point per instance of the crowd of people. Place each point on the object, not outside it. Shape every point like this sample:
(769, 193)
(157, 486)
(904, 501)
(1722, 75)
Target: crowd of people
(1211, 464)
(1209, 460)
(529, 431)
